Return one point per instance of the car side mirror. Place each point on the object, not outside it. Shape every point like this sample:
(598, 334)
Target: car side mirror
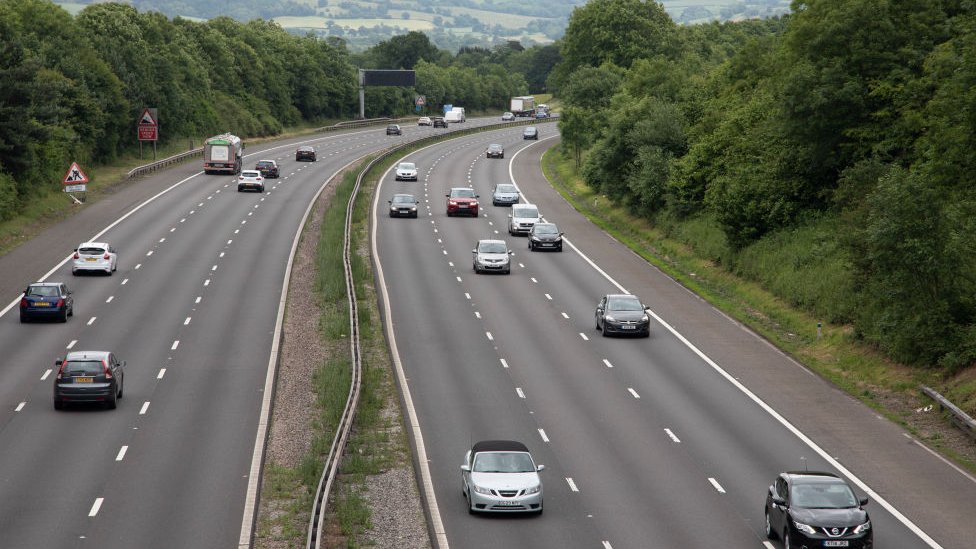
(59, 362)
(474, 251)
(76, 249)
(778, 500)
(540, 467)
(863, 501)
(477, 196)
(509, 216)
(389, 202)
(466, 468)
(122, 363)
(510, 252)
(447, 195)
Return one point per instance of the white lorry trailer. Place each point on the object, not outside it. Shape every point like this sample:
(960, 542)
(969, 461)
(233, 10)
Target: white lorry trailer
(523, 106)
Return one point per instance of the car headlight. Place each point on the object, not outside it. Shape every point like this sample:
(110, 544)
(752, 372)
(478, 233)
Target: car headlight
(533, 490)
(481, 489)
(862, 528)
(645, 318)
(393, 208)
(610, 318)
(413, 208)
(805, 528)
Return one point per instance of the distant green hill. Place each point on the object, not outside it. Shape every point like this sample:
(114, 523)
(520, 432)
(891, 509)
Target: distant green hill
(451, 24)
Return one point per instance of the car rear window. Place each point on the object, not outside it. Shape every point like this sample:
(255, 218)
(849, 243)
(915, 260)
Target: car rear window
(265, 164)
(84, 367)
(92, 251)
(247, 173)
(43, 291)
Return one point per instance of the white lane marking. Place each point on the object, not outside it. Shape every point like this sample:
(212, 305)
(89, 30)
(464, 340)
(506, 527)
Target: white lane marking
(244, 222)
(534, 280)
(183, 220)
(942, 459)
(504, 362)
(110, 298)
(187, 321)
(126, 281)
(47, 373)
(477, 315)
(95, 507)
(176, 344)
(137, 266)
(206, 282)
(192, 212)
(214, 268)
(542, 433)
(230, 241)
(606, 545)
(201, 204)
(582, 335)
(490, 337)
(72, 344)
(566, 316)
(198, 299)
(717, 486)
(236, 231)
(121, 455)
(607, 362)
(768, 545)
(221, 254)
(458, 278)
(172, 229)
(91, 320)
(149, 253)
(521, 265)
(450, 263)
(20, 406)
(671, 434)
(519, 392)
(444, 252)
(467, 295)
(145, 407)
(549, 297)
(633, 392)
(572, 485)
(161, 240)
(162, 372)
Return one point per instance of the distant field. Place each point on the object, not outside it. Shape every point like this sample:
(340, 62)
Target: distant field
(316, 22)
(496, 18)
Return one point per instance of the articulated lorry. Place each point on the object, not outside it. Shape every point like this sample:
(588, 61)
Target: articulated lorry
(523, 106)
(223, 154)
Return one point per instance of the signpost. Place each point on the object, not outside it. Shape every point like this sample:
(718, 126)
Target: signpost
(420, 101)
(148, 129)
(75, 181)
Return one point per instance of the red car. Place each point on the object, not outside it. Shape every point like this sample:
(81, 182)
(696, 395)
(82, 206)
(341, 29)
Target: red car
(462, 201)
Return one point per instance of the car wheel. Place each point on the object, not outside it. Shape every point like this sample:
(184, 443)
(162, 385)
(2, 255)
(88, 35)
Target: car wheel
(58, 404)
(64, 315)
(262, 189)
(596, 320)
(540, 510)
(603, 331)
(113, 402)
(770, 533)
(475, 267)
(23, 318)
(239, 189)
(509, 271)
(786, 538)
(122, 386)
(71, 311)
(559, 248)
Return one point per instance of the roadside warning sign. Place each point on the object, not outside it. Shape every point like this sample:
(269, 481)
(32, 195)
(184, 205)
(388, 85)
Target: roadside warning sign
(147, 118)
(75, 176)
(148, 129)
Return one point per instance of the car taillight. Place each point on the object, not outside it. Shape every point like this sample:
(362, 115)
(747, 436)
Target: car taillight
(76, 255)
(106, 256)
(108, 373)
(61, 370)
(24, 302)
(60, 303)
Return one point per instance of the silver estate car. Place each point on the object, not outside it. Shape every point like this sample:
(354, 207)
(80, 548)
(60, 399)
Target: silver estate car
(406, 171)
(505, 194)
(492, 256)
(94, 256)
(500, 476)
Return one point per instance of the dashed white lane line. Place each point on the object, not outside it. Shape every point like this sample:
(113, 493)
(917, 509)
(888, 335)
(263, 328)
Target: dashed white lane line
(582, 335)
(477, 315)
(149, 253)
(490, 337)
(633, 392)
(542, 433)
(458, 278)
(534, 280)
(183, 220)
(95, 507)
(162, 372)
(572, 485)
(20, 406)
(161, 240)
(519, 392)
(121, 455)
(206, 282)
(244, 222)
(126, 281)
(110, 298)
(607, 362)
(718, 487)
(566, 316)
(214, 268)
(172, 229)
(236, 231)
(198, 299)
(549, 297)
(176, 344)
(72, 344)
(137, 266)
(91, 320)
(768, 545)
(221, 254)
(504, 362)
(145, 407)
(467, 295)
(671, 434)
(187, 321)
(229, 242)
(46, 374)
(192, 212)
(606, 545)
(450, 263)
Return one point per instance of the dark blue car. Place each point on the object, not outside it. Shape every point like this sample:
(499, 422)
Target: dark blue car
(47, 300)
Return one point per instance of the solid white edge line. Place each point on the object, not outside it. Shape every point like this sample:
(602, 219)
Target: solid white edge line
(264, 421)
(752, 396)
(439, 535)
(95, 507)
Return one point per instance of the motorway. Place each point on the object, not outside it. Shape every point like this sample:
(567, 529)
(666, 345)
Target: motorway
(665, 442)
(192, 310)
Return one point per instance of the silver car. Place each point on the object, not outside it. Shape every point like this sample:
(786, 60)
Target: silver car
(500, 476)
(522, 218)
(492, 256)
(94, 256)
(250, 180)
(406, 171)
(505, 194)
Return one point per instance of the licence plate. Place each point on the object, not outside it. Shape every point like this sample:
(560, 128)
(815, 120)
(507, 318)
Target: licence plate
(508, 504)
(84, 379)
(628, 327)
(547, 243)
(836, 543)
(462, 205)
(41, 304)
(91, 259)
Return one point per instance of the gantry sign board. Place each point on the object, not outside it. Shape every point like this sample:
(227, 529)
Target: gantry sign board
(372, 77)
(75, 181)
(148, 125)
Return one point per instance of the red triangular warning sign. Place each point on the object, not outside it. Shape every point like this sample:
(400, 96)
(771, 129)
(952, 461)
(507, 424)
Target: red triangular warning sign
(147, 118)
(75, 176)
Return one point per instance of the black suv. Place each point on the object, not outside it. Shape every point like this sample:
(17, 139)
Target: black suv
(268, 169)
(89, 376)
(305, 152)
(814, 509)
(394, 129)
(439, 122)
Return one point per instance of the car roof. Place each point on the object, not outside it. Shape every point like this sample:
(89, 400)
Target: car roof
(814, 476)
(33, 284)
(306, 148)
(259, 161)
(250, 172)
(408, 195)
(544, 225)
(87, 355)
(524, 205)
(493, 240)
(498, 446)
(93, 245)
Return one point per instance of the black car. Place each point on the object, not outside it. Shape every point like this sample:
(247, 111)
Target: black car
(305, 152)
(495, 151)
(530, 132)
(814, 509)
(49, 300)
(439, 122)
(89, 376)
(545, 236)
(622, 314)
(394, 129)
(403, 205)
(268, 169)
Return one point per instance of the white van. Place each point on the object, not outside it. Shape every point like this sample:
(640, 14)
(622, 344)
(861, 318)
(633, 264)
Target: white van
(455, 115)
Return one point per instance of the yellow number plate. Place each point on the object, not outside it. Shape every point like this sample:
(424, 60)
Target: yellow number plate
(84, 379)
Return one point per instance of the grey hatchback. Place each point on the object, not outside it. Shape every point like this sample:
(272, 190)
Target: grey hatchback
(622, 314)
(89, 376)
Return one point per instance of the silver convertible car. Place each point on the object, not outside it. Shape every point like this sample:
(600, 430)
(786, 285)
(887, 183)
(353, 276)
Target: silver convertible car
(499, 476)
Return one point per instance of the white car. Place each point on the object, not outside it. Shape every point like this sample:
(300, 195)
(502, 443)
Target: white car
(500, 476)
(424, 121)
(94, 256)
(406, 171)
(250, 180)
(492, 256)
(523, 218)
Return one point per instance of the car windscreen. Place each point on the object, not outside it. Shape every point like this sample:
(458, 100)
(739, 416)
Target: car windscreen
(42, 291)
(624, 304)
(823, 496)
(503, 462)
(546, 229)
(462, 193)
(407, 166)
(506, 189)
(525, 212)
(403, 199)
(83, 368)
(91, 251)
(492, 247)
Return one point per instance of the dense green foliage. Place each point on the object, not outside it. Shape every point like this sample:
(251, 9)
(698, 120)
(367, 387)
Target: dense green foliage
(832, 148)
